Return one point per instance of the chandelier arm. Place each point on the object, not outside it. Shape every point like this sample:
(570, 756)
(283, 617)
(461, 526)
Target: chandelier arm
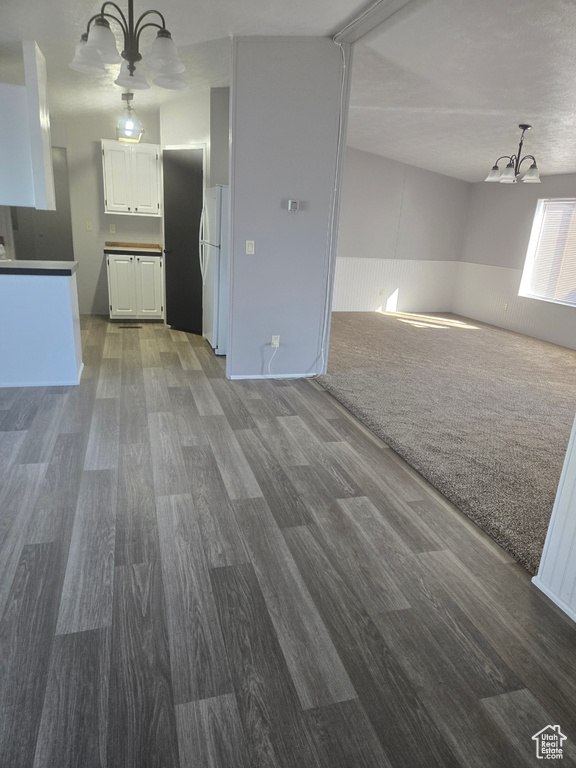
(123, 23)
(139, 28)
(504, 157)
(118, 21)
(139, 32)
(527, 157)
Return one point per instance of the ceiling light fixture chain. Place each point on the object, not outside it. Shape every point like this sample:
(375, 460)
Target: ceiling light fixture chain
(512, 173)
(97, 47)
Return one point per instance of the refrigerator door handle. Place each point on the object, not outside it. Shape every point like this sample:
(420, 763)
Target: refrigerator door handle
(201, 244)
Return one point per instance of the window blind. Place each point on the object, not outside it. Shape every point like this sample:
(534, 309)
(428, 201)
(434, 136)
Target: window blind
(550, 266)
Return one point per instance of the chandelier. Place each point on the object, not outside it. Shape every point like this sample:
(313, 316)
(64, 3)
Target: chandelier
(97, 47)
(512, 173)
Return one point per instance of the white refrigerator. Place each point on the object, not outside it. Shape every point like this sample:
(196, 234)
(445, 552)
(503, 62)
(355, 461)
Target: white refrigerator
(214, 265)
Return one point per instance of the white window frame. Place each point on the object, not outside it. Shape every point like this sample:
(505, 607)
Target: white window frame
(526, 288)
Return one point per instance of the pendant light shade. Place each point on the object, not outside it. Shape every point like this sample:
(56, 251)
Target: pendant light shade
(494, 174)
(513, 171)
(171, 82)
(129, 128)
(137, 81)
(87, 60)
(163, 57)
(532, 175)
(508, 174)
(102, 39)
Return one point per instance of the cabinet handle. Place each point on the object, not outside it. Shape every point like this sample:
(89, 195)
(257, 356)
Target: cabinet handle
(135, 209)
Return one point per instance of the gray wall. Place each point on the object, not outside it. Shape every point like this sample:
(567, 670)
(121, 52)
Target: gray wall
(501, 217)
(400, 238)
(396, 211)
(285, 109)
(219, 136)
(187, 120)
(81, 137)
(47, 234)
(489, 274)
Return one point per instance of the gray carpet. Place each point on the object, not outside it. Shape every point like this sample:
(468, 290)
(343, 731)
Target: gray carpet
(483, 414)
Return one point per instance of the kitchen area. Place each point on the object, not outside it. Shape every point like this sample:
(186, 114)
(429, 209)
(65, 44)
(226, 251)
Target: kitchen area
(118, 261)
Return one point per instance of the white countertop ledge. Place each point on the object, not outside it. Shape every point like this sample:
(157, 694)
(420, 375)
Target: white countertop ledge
(34, 267)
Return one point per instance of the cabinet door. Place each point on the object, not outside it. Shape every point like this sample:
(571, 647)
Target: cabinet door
(122, 285)
(145, 186)
(117, 186)
(149, 286)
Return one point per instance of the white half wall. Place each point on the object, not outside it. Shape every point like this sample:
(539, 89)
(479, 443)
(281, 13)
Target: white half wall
(490, 294)
(286, 96)
(400, 236)
(393, 285)
(497, 234)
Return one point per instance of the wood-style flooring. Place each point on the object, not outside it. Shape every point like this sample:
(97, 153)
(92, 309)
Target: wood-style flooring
(199, 573)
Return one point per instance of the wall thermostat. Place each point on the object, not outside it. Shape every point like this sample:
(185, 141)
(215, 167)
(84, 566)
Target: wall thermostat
(293, 205)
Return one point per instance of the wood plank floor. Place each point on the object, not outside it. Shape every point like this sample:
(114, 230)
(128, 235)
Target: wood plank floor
(199, 573)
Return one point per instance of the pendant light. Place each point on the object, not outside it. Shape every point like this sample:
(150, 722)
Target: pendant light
(512, 172)
(129, 127)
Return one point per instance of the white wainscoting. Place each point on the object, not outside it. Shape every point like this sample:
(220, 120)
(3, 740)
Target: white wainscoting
(368, 285)
(557, 573)
(490, 294)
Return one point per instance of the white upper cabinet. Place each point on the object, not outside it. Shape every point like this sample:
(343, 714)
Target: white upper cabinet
(145, 178)
(26, 175)
(131, 178)
(117, 197)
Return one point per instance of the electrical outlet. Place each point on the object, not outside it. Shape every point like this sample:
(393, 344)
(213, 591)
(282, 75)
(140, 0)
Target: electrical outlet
(112, 228)
(381, 291)
(275, 341)
(250, 247)
(89, 226)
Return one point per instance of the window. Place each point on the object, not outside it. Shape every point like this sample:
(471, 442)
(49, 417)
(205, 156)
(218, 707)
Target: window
(550, 267)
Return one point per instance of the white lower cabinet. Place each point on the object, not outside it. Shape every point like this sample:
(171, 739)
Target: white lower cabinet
(136, 285)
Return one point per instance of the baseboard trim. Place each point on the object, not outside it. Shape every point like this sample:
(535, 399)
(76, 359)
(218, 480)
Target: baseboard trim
(568, 610)
(73, 383)
(275, 376)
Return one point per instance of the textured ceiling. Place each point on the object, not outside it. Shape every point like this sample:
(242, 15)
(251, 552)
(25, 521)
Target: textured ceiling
(201, 30)
(441, 85)
(444, 85)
